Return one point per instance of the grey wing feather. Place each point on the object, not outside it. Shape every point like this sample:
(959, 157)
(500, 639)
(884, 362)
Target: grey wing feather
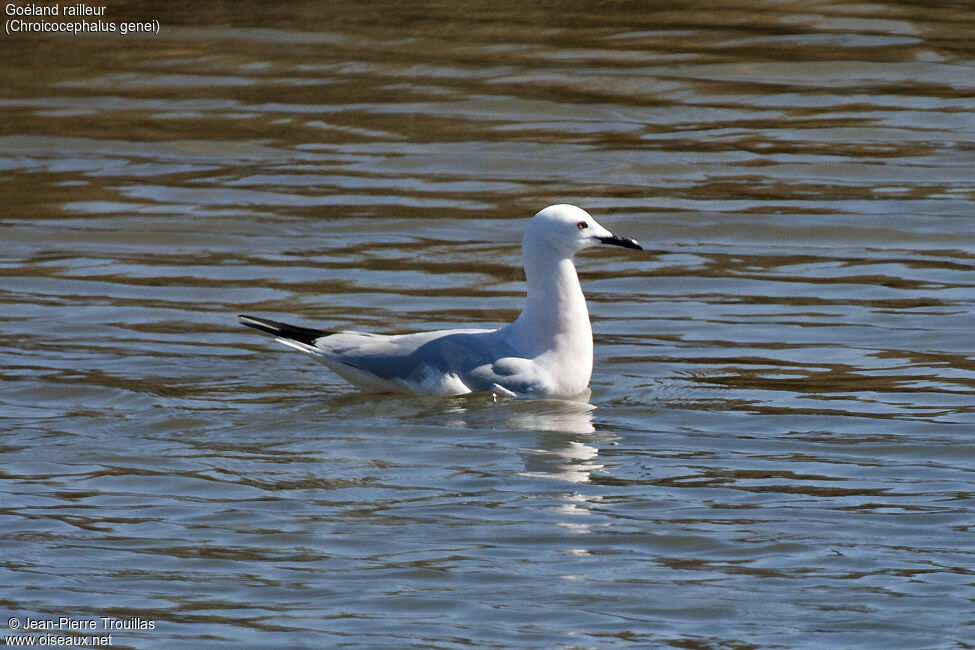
(405, 357)
(445, 361)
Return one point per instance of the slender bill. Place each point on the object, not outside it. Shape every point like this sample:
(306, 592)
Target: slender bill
(625, 242)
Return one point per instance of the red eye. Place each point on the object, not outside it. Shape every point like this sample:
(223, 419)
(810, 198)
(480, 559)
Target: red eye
(582, 225)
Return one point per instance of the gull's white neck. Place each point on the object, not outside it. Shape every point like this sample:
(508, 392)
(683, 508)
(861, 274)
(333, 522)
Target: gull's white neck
(555, 319)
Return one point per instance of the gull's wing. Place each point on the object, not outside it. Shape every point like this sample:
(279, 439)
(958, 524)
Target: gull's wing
(445, 362)
(438, 363)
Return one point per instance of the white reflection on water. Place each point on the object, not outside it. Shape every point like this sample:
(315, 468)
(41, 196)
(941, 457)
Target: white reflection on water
(563, 459)
(565, 447)
(566, 438)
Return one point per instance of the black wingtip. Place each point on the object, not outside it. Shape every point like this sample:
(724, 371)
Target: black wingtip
(306, 335)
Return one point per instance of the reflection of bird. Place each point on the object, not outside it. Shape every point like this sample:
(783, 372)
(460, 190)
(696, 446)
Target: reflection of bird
(564, 459)
(546, 352)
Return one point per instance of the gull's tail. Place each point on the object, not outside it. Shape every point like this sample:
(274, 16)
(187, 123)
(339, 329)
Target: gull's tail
(303, 338)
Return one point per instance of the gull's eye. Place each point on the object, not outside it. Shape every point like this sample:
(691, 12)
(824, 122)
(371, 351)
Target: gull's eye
(582, 225)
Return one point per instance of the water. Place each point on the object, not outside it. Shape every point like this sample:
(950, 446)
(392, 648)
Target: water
(778, 447)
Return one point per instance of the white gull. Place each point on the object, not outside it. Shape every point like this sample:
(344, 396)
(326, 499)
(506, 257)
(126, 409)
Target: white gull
(545, 353)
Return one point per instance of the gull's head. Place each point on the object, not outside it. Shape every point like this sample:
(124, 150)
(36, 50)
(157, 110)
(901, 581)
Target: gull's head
(568, 229)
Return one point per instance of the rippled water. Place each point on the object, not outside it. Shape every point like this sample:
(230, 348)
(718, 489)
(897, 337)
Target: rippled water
(778, 447)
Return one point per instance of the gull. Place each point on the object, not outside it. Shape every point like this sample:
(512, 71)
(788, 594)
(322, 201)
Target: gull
(546, 353)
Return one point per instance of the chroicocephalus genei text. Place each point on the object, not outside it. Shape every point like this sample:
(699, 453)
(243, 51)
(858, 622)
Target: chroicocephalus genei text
(545, 353)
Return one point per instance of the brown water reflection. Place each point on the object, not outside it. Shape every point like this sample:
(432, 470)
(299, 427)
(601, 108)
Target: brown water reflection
(778, 447)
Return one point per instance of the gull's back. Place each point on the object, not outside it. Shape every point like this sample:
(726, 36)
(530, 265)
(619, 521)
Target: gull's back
(445, 362)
